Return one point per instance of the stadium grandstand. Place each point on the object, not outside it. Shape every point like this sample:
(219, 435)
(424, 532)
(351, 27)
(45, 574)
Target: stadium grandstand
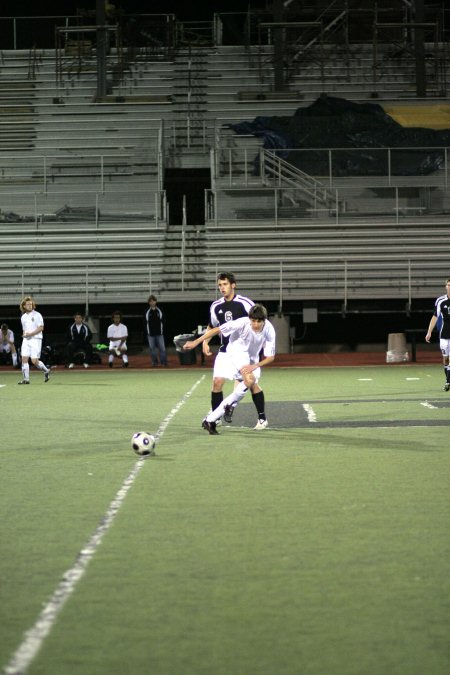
(301, 145)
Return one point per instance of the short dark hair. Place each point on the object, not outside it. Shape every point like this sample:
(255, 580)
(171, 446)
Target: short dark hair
(4, 326)
(152, 297)
(258, 312)
(226, 276)
(117, 313)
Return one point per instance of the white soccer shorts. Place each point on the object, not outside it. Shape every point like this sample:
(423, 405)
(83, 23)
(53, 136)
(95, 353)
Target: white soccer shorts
(31, 348)
(227, 366)
(444, 347)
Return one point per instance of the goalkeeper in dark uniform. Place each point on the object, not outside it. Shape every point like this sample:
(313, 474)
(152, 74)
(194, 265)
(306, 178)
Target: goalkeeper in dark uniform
(441, 314)
(229, 307)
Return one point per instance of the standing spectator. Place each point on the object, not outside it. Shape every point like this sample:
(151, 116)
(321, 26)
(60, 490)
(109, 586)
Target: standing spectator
(33, 328)
(442, 314)
(155, 332)
(248, 336)
(7, 345)
(80, 336)
(117, 335)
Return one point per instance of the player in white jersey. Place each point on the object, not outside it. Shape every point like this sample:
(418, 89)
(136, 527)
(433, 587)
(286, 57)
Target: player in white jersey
(248, 336)
(7, 345)
(117, 335)
(32, 333)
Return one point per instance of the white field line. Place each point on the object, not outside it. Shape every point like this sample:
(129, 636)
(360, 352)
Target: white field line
(312, 417)
(429, 405)
(35, 636)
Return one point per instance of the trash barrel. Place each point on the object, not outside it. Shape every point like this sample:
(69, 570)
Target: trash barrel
(186, 358)
(396, 350)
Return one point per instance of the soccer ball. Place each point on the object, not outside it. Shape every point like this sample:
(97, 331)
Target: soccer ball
(143, 443)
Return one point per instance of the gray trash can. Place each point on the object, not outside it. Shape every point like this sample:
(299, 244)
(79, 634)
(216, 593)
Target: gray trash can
(186, 358)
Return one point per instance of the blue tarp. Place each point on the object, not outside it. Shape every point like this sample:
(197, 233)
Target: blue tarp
(332, 122)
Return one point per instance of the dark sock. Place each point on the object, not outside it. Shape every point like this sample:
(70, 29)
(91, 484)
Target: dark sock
(216, 399)
(258, 400)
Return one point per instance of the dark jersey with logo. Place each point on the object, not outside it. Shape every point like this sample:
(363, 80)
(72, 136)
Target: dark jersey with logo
(442, 311)
(222, 311)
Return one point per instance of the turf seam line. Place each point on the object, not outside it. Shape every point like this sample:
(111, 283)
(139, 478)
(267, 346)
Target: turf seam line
(35, 636)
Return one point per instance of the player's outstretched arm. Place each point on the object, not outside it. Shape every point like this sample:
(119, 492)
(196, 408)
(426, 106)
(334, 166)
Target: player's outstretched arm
(206, 336)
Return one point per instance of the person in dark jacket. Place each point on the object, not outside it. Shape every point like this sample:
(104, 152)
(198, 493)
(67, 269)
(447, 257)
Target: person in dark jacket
(79, 336)
(155, 332)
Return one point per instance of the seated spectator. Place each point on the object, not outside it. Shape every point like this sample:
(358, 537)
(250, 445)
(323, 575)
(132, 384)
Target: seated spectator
(7, 346)
(79, 345)
(117, 335)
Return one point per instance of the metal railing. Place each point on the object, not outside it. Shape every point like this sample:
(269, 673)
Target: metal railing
(427, 166)
(340, 279)
(89, 207)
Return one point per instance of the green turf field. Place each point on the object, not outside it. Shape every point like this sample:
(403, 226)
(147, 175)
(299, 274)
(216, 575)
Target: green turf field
(320, 546)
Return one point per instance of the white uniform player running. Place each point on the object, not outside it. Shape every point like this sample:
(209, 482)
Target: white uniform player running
(32, 333)
(248, 336)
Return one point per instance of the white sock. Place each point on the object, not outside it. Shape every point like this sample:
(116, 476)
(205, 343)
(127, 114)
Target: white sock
(14, 359)
(233, 399)
(25, 371)
(42, 366)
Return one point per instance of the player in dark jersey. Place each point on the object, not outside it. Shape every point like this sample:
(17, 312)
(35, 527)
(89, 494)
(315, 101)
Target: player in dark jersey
(442, 314)
(227, 308)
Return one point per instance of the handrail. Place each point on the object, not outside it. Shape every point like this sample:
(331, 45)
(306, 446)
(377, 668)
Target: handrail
(291, 176)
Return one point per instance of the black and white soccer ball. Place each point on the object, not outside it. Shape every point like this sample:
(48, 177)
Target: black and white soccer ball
(143, 443)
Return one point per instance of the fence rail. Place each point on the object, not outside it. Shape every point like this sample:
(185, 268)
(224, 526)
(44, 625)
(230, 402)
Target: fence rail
(318, 277)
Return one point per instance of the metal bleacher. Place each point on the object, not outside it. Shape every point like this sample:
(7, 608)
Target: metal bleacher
(84, 211)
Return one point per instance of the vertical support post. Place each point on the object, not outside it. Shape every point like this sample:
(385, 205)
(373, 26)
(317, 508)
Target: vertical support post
(101, 48)
(345, 285)
(86, 302)
(330, 167)
(275, 193)
(183, 242)
(45, 174)
(409, 285)
(280, 303)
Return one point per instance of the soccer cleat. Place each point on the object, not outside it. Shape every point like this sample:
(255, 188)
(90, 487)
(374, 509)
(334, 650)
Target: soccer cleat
(446, 386)
(210, 427)
(261, 424)
(47, 376)
(24, 382)
(228, 413)
(86, 365)
(125, 364)
(71, 365)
